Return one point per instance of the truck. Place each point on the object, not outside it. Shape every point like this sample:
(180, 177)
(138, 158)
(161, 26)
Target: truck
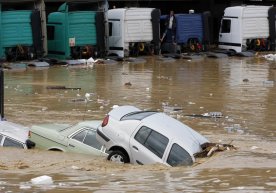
(23, 33)
(248, 27)
(133, 31)
(77, 30)
(193, 32)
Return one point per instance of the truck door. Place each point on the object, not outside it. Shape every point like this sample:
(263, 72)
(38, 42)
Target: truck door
(229, 36)
(115, 36)
(225, 32)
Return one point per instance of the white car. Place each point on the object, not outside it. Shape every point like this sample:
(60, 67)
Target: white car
(146, 137)
(14, 135)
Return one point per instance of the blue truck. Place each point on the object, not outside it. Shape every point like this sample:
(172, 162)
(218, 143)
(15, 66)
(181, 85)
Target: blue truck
(22, 30)
(192, 32)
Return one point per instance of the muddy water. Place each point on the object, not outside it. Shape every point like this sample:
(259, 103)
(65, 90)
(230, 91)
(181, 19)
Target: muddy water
(242, 89)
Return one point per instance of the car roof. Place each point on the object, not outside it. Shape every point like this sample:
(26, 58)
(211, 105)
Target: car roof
(13, 130)
(66, 128)
(176, 130)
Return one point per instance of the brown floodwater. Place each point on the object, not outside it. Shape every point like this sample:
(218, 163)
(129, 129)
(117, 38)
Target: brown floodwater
(242, 89)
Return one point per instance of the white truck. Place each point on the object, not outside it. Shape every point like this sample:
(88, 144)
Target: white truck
(133, 31)
(248, 28)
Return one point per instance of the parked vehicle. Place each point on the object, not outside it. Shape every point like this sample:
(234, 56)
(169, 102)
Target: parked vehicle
(14, 135)
(133, 31)
(22, 30)
(77, 30)
(192, 32)
(248, 28)
(144, 137)
(79, 138)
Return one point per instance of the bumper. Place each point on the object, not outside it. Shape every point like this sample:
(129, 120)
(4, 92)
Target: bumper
(30, 144)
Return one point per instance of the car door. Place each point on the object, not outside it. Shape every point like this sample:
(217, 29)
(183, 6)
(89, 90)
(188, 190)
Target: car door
(84, 141)
(147, 146)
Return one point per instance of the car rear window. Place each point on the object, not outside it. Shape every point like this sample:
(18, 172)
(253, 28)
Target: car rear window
(179, 156)
(8, 142)
(139, 115)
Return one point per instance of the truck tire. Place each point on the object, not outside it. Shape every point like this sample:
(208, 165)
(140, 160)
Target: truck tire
(118, 157)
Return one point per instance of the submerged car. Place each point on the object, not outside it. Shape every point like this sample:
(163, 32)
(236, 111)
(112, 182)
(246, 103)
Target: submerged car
(78, 138)
(145, 137)
(14, 135)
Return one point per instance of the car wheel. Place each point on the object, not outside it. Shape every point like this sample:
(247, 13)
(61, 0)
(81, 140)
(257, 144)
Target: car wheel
(118, 157)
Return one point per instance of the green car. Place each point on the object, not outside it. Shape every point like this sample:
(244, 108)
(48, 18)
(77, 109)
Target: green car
(79, 138)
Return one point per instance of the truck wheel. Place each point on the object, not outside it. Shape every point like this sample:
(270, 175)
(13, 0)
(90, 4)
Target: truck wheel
(118, 157)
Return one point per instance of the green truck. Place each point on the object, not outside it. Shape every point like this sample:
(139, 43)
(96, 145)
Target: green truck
(22, 30)
(77, 31)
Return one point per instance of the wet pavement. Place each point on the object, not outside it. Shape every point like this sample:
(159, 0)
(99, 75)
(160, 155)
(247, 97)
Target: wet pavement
(243, 90)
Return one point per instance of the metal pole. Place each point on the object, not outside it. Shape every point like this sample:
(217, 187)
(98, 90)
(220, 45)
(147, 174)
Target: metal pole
(2, 92)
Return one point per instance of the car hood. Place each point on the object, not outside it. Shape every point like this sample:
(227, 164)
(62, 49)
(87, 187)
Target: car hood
(118, 112)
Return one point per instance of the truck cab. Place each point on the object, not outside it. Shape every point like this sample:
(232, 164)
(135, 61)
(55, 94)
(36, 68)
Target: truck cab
(246, 28)
(77, 30)
(133, 31)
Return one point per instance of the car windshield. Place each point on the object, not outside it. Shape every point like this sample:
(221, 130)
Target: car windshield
(139, 115)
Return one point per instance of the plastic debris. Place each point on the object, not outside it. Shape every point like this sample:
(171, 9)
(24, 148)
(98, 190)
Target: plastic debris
(38, 64)
(42, 180)
(268, 83)
(270, 57)
(75, 167)
(213, 114)
(254, 147)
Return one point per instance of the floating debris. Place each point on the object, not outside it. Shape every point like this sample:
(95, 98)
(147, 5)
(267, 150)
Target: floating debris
(63, 88)
(213, 114)
(78, 100)
(170, 109)
(235, 128)
(128, 84)
(207, 115)
(245, 80)
(268, 83)
(42, 180)
(270, 57)
(208, 149)
(38, 64)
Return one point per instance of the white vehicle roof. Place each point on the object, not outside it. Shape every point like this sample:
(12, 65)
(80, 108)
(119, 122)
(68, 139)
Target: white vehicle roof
(250, 11)
(14, 130)
(176, 130)
(132, 11)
